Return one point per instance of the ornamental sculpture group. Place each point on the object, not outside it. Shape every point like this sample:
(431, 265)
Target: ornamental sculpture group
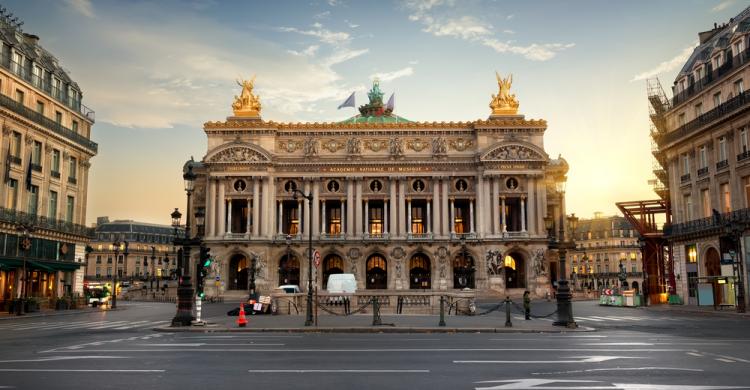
(504, 103)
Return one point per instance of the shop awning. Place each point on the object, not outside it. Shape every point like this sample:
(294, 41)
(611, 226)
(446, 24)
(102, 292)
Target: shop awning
(31, 264)
(66, 267)
(10, 263)
(47, 266)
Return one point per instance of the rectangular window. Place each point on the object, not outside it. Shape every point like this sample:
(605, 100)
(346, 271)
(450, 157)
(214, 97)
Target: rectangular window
(717, 99)
(56, 89)
(56, 162)
(52, 211)
(691, 252)
(58, 117)
(743, 140)
(36, 154)
(12, 201)
(681, 120)
(746, 185)
(69, 209)
(20, 96)
(73, 168)
(685, 164)
(37, 76)
(706, 202)
(702, 160)
(15, 145)
(722, 148)
(698, 109)
(74, 126)
(726, 199)
(98, 259)
(739, 87)
(40, 107)
(417, 225)
(376, 220)
(33, 199)
(687, 211)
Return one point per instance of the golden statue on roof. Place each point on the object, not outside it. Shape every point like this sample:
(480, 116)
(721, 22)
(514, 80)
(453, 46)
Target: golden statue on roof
(247, 105)
(504, 103)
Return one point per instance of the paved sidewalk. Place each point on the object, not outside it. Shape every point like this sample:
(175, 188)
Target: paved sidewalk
(52, 313)
(692, 309)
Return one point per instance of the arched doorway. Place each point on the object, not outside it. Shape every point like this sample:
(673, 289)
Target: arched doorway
(514, 269)
(377, 273)
(463, 271)
(238, 268)
(289, 270)
(333, 264)
(713, 268)
(419, 272)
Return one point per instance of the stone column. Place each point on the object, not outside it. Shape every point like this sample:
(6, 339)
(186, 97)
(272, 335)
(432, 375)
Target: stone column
(402, 228)
(523, 213)
(267, 228)
(367, 216)
(300, 211)
(503, 222)
(445, 223)
(323, 219)
(479, 190)
(386, 228)
(211, 208)
(394, 209)
(471, 215)
(344, 222)
(358, 211)
(256, 207)
(248, 227)
(408, 221)
(495, 212)
(305, 222)
(436, 207)
(222, 209)
(281, 217)
(429, 219)
(453, 217)
(316, 208)
(350, 211)
(542, 200)
(229, 215)
(531, 213)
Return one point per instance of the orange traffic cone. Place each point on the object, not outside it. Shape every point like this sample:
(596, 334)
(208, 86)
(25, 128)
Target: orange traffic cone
(242, 321)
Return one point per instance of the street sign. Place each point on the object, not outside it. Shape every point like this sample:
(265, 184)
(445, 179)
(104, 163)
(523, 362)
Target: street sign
(218, 278)
(316, 258)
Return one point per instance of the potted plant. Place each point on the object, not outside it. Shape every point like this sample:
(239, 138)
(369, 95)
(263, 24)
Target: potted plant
(32, 305)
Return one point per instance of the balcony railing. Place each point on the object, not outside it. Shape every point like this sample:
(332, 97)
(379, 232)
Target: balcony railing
(72, 180)
(36, 167)
(722, 164)
(333, 237)
(685, 178)
(711, 225)
(711, 77)
(702, 171)
(42, 120)
(376, 236)
(740, 101)
(419, 236)
(44, 85)
(55, 174)
(40, 222)
(15, 160)
(743, 156)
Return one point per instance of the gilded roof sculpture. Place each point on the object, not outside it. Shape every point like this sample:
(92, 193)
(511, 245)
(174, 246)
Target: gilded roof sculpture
(504, 103)
(246, 105)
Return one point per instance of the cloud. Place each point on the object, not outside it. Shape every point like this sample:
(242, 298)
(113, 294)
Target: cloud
(722, 6)
(668, 65)
(323, 34)
(388, 76)
(472, 29)
(322, 15)
(309, 51)
(350, 24)
(83, 7)
(343, 55)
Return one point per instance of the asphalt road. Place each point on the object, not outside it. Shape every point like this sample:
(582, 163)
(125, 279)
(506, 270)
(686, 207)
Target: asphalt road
(631, 349)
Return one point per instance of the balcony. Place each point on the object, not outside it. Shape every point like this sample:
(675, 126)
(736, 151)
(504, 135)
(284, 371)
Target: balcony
(332, 237)
(743, 156)
(376, 236)
(702, 171)
(45, 122)
(55, 174)
(419, 236)
(685, 178)
(741, 101)
(15, 160)
(36, 167)
(72, 180)
(466, 236)
(44, 85)
(722, 164)
(40, 222)
(711, 77)
(707, 226)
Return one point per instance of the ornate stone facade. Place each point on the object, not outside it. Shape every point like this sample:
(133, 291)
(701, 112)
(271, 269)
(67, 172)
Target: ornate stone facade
(400, 204)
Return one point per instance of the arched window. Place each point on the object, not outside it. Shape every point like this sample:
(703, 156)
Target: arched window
(376, 272)
(419, 272)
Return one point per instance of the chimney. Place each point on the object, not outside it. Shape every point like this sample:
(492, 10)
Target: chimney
(31, 39)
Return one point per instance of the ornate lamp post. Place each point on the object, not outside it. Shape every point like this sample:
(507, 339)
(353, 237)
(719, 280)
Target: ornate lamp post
(564, 306)
(251, 285)
(286, 264)
(117, 246)
(185, 291)
(153, 268)
(735, 230)
(25, 229)
(309, 197)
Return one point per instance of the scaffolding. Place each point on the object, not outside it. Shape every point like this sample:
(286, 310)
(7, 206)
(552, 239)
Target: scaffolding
(648, 217)
(657, 109)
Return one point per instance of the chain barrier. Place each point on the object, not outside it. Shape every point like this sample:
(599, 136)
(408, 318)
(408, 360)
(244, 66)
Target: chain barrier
(521, 310)
(322, 306)
(469, 313)
(278, 306)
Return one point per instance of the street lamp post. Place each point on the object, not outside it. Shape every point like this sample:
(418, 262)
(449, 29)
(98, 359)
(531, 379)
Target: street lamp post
(117, 245)
(288, 251)
(309, 197)
(735, 229)
(25, 229)
(153, 268)
(564, 306)
(251, 285)
(185, 291)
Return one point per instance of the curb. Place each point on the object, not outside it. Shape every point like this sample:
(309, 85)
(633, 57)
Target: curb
(56, 313)
(384, 329)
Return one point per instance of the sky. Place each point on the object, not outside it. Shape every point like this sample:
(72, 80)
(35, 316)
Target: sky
(155, 71)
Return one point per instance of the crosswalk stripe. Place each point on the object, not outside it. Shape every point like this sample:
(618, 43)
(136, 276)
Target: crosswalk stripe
(109, 325)
(46, 325)
(130, 325)
(579, 318)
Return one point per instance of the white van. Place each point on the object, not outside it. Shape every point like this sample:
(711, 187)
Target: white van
(341, 284)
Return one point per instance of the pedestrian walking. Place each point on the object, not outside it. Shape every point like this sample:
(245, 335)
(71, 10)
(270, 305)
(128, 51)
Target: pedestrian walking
(527, 304)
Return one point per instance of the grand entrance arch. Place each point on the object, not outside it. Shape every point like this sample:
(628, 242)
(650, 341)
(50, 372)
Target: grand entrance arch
(463, 271)
(332, 264)
(289, 270)
(514, 269)
(419, 272)
(238, 269)
(377, 273)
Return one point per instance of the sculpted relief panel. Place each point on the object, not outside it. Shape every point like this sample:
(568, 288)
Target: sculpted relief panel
(513, 152)
(238, 154)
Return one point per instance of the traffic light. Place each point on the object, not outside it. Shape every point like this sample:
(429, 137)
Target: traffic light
(206, 256)
(204, 263)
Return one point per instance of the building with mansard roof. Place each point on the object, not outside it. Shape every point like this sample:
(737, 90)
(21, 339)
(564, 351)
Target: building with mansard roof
(46, 148)
(400, 204)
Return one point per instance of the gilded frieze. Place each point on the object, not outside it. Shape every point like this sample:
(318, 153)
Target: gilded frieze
(375, 145)
(237, 154)
(290, 146)
(333, 145)
(460, 144)
(416, 145)
(513, 152)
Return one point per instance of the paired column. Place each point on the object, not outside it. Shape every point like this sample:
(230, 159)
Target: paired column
(222, 209)
(367, 216)
(300, 211)
(229, 215)
(453, 217)
(211, 208)
(408, 223)
(323, 219)
(480, 206)
(249, 219)
(436, 207)
(495, 212)
(445, 222)
(393, 201)
(503, 221)
(358, 210)
(350, 211)
(386, 228)
(281, 217)
(531, 213)
(402, 209)
(344, 222)
(256, 207)
(523, 213)
(316, 209)
(429, 217)
(471, 215)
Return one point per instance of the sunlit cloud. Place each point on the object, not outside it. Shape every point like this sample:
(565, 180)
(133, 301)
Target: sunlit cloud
(83, 7)
(323, 34)
(668, 65)
(722, 6)
(388, 76)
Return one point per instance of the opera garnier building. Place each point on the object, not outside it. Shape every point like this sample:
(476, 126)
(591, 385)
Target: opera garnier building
(402, 205)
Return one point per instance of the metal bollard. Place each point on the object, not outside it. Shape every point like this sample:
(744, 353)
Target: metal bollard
(508, 324)
(442, 311)
(376, 312)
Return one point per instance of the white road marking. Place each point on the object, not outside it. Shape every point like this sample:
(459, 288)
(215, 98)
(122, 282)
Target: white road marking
(242, 336)
(620, 369)
(636, 343)
(342, 371)
(540, 384)
(131, 325)
(55, 358)
(589, 359)
(584, 319)
(72, 370)
(695, 354)
(725, 360)
(381, 350)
